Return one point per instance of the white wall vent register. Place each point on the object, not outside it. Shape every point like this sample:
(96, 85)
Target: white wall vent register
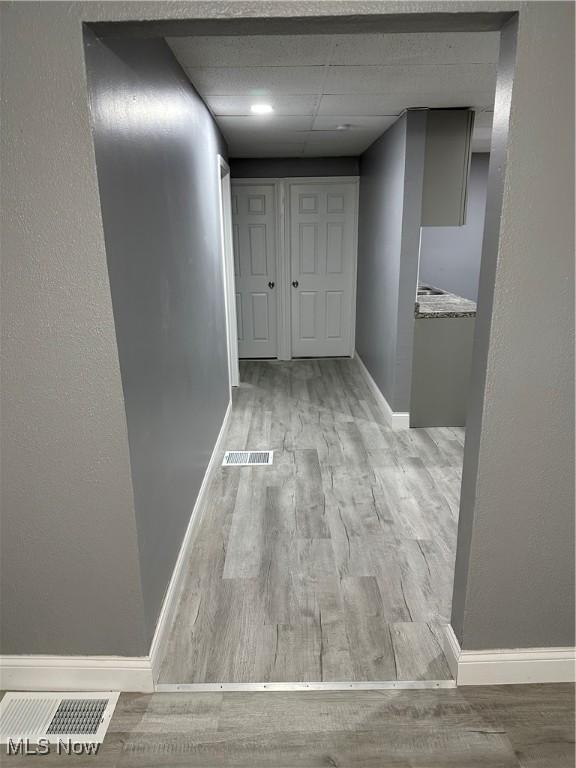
(247, 458)
(56, 717)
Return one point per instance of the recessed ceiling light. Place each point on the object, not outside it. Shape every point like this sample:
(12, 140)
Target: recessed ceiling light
(261, 109)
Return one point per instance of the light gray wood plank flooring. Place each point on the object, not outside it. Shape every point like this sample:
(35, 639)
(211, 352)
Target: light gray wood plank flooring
(334, 564)
(523, 726)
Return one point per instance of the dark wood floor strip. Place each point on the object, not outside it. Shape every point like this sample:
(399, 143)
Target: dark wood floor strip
(524, 726)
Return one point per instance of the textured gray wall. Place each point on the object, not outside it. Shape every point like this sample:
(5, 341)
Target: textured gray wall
(156, 155)
(450, 256)
(70, 576)
(382, 169)
(283, 167)
(408, 278)
(514, 584)
(391, 173)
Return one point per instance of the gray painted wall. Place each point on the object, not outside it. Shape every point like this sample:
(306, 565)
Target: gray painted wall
(70, 574)
(67, 516)
(156, 155)
(391, 173)
(284, 167)
(514, 584)
(450, 256)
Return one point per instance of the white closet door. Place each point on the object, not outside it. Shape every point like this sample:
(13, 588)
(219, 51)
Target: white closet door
(254, 229)
(323, 268)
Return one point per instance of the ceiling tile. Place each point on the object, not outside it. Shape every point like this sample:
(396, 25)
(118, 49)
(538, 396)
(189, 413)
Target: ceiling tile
(277, 137)
(433, 48)
(370, 122)
(287, 149)
(257, 81)
(351, 136)
(370, 80)
(407, 80)
(239, 104)
(333, 150)
(265, 125)
(359, 103)
(345, 142)
(251, 50)
(373, 104)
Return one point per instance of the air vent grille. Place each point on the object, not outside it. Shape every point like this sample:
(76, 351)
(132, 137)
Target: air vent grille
(78, 716)
(247, 458)
(54, 717)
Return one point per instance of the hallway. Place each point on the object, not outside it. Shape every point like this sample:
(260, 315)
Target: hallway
(334, 564)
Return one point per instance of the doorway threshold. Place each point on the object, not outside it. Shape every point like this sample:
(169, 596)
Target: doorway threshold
(370, 685)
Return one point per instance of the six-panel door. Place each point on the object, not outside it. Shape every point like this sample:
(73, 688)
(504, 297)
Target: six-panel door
(254, 231)
(322, 260)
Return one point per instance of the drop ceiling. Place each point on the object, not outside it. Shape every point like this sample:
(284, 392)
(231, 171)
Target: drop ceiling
(316, 83)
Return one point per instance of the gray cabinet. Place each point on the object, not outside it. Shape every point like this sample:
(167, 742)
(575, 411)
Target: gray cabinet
(446, 167)
(441, 367)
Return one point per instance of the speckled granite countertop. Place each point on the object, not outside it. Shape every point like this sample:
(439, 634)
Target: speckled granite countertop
(445, 305)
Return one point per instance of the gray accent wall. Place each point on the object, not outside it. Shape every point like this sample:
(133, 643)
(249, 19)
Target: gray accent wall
(391, 175)
(514, 582)
(450, 256)
(156, 155)
(284, 167)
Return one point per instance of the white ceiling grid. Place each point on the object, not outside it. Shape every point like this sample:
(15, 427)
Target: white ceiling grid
(316, 83)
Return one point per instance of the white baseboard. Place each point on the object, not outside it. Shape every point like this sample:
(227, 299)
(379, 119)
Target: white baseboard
(396, 419)
(114, 673)
(509, 666)
(451, 650)
(166, 617)
(76, 673)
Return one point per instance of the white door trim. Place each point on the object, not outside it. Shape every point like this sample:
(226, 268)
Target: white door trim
(225, 211)
(508, 666)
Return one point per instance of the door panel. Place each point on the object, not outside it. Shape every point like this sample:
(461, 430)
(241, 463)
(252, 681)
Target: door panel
(334, 247)
(322, 264)
(334, 318)
(308, 313)
(308, 249)
(260, 312)
(258, 249)
(254, 214)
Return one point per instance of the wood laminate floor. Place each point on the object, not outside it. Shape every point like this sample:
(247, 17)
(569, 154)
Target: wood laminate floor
(523, 726)
(334, 564)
